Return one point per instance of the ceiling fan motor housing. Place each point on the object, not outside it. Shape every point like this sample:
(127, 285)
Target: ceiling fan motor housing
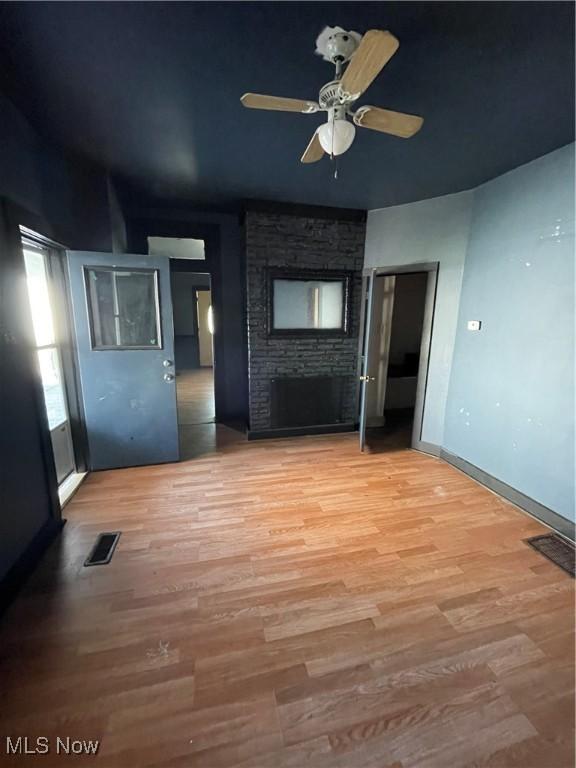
(329, 95)
(341, 46)
(336, 44)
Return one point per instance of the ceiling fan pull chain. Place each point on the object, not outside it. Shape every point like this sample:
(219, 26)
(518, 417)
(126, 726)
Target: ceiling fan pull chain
(335, 161)
(332, 118)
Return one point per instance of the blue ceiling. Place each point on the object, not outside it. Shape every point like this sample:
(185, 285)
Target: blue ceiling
(151, 90)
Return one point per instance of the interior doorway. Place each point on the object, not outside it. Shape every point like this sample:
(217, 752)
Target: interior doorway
(193, 350)
(200, 365)
(394, 360)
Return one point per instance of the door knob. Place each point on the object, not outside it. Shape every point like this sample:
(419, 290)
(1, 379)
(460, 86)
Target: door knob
(168, 377)
(167, 363)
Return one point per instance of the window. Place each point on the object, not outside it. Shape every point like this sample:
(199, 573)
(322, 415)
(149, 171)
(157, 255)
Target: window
(40, 262)
(123, 308)
(48, 355)
(309, 302)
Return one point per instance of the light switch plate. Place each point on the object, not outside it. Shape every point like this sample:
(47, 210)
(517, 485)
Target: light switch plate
(474, 325)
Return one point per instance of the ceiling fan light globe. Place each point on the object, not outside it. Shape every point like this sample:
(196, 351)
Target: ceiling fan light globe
(336, 136)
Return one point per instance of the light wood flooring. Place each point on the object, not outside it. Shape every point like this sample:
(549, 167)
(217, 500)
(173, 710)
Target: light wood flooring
(286, 604)
(195, 396)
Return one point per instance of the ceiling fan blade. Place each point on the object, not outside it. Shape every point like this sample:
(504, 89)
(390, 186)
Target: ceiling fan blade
(375, 50)
(313, 151)
(260, 101)
(387, 121)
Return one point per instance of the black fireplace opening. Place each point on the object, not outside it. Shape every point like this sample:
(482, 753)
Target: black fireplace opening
(307, 401)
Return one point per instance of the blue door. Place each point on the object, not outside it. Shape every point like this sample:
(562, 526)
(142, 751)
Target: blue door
(123, 324)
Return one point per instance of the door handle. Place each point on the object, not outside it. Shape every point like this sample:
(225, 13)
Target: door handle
(168, 377)
(367, 378)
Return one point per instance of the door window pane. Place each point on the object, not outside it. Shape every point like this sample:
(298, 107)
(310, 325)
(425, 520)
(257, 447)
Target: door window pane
(123, 308)
(308, 304)
(52, 385)
(39, 296)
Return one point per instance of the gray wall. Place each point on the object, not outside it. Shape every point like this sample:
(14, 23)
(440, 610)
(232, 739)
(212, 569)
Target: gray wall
(511, 399)
(186, 344)
(299, 242)
(429, 231)
(118, 233)
(184, 287)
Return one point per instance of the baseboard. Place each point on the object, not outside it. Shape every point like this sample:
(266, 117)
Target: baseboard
(431, 448)
(69, 487)
(27, 562)
(547, 516)
(317, 429)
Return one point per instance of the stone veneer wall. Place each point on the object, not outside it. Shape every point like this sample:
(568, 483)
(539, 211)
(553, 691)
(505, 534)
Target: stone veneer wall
(300, 242)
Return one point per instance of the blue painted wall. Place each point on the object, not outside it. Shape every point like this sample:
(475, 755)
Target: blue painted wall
(68, 196)
(63, 197)
(510, 406)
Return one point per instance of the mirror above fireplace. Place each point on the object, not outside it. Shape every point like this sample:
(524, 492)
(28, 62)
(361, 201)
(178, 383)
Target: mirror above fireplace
(304, 302)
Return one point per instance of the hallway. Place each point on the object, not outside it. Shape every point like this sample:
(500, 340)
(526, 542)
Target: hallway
(293, 602)
(195, 394)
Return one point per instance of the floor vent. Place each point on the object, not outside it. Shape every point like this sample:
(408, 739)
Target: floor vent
(103, 549)
(556, 549)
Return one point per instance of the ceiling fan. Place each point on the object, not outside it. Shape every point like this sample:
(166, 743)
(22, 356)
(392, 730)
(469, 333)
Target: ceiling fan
(358, 59)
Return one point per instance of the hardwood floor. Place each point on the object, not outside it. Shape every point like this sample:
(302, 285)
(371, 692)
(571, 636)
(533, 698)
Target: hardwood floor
(294, 603)
(195, 395)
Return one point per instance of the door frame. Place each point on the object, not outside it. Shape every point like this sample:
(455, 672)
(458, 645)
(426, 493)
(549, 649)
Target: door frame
(363, 344)
(62, 312)
(145, 227)
(16, 335)
(368, 276)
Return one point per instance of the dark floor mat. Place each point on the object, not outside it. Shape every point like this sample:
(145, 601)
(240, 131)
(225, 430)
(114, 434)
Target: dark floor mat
(556, 549)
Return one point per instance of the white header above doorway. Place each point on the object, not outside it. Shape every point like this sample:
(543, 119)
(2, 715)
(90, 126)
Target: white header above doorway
(177, 248)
